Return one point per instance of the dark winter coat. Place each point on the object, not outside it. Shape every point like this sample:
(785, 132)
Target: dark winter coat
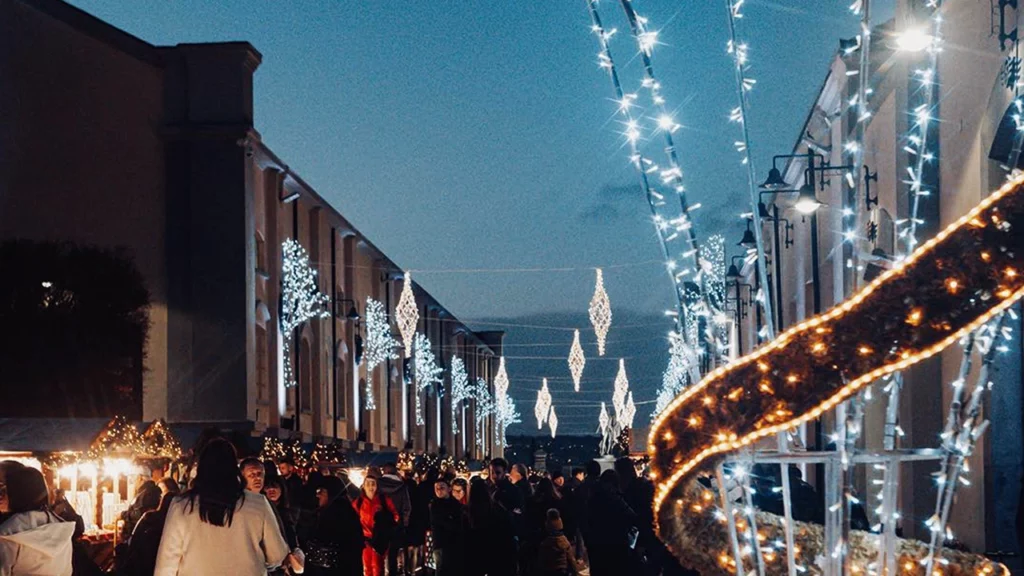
(610, 521)
(555, 555)
(338, 530)
(145, 542)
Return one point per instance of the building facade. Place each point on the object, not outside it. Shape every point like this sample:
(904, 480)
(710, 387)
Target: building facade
(113, 142)
(972, 140)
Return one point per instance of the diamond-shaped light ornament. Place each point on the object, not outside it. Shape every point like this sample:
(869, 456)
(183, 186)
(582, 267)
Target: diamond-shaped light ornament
(629, 412)
(553, 421)
(501, 380)
(602, 420)
(576, 360)
(540, 410)
(621, 389)
(600, 313)
(407, 315)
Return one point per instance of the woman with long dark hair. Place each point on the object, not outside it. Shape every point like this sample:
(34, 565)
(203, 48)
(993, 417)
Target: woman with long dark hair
(33, 540)
(480, 544)
(145, 540)
(217, 528)
(335, 546)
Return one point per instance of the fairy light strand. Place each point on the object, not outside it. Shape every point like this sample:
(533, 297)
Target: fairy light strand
(460, 390)
(428, 373)
(301, 299)
(380, 345)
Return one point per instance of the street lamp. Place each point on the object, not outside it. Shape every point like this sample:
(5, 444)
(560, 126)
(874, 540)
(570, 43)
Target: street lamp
(748, 241)
(807, 202)
(913, 40)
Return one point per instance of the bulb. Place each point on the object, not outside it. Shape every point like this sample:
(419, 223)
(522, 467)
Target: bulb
(913, 40)
(665, 122)
(807, 205)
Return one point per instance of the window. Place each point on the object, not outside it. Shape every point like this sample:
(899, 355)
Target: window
(262, 353)
(305, 376)
(261, 252)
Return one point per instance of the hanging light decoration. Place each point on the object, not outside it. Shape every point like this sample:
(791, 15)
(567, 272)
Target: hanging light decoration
(380, 345)
(407, 314)
(600, 312)
(501, 380)
(621, 389)
(553, 421)
(629, 412)
(540, 410)
(576, 360)
(602, 420)
(427, 371)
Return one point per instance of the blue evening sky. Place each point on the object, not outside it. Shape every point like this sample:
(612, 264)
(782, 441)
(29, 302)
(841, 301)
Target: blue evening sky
(462, 136)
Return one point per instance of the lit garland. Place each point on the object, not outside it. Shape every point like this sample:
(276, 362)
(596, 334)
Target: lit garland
(540, 410)
(576, 360)
(119, 436)
(273, 450)
(427, 371)
(301, 300)
(951, 286)
(553, 422)
(713, 264)
(160, 442)
(407, 314)
(460, 389)
(380, 345)
(600, 312)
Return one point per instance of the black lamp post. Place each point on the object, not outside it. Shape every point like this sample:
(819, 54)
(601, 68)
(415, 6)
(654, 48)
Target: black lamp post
(774, 217)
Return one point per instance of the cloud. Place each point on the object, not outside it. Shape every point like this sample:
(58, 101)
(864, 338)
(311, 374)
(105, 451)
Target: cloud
(610, 204)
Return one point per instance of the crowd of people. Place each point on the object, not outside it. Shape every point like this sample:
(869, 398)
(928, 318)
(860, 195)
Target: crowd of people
(255, 517)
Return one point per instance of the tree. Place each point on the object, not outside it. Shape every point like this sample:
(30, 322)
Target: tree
(75, 323)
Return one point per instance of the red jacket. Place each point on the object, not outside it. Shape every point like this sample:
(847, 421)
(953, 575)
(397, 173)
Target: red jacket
(368, 509)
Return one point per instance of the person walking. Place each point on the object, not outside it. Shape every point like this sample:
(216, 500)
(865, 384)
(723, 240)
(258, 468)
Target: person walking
(446, 524)
(276, 493)
(508, 519)
(393, 486)
(217, 527)
(555, 556)
(460, 491)
(612, 529)
(378, 516)
(254, 474)
(335, 547)
(544, 498)
(33, 540)
(145, 540)
(480, 541)
(292, 480)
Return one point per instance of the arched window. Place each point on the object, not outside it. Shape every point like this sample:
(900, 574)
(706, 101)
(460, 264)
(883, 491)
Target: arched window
(305, 375)
(261, 252)
(262, 353)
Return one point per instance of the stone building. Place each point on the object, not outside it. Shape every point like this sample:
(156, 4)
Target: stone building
(972, 140)
(107, 140)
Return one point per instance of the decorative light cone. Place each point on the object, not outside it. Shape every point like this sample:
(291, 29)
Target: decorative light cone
(407, 314)
(600, 313)
(576, 360)
(553, 422)
(621, 388)
(540, 410)
(602, 420)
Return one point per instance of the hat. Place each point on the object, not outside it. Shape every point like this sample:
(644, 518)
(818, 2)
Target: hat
(373, 473)
(554, 521)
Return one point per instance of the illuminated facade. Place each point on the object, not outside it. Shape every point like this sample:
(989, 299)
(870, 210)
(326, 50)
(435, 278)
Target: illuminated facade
(154, 149)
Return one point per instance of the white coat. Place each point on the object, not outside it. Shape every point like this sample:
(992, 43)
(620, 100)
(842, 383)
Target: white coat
(36, 543)
(251, 545)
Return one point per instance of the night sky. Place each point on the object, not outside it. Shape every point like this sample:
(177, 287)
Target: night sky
(476, 144)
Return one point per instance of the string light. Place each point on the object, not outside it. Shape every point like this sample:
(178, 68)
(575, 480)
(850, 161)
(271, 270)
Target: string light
(160, 442)
(505, 415)
(380, 346)
(600, 312)
(301, 299)
(483, 407)
(540, 410)
(985, 228)
(576, 360)
(460, 389)
(428, 373)
(620, 391)
(501, 379)
(407, 314)
(553, 422)
(603, 420)
(677, 374)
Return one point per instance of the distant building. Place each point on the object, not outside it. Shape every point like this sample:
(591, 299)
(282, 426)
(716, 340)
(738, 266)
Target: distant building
(561, 453)
(107, 140)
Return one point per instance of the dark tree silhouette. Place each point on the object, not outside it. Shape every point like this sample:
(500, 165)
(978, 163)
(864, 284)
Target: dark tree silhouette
(74, 323)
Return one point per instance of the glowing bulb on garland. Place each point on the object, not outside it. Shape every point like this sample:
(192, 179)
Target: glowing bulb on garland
(600, 313)
(407, 314)
(576, 360)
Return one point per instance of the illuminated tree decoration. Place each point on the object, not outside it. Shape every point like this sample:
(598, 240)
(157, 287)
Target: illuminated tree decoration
(460, 390)
(553, 422)
(505, 415)
(427, 372)
(540, 410)
(301, 300)
(621, 388)
(600, 313)
(273, 450)
(160, 442)
(380, 345)
(296, 452)
(483, 407)
(407, 314)
(576, 360)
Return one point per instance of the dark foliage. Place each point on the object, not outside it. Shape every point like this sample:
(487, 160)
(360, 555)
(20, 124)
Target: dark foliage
(74, 324)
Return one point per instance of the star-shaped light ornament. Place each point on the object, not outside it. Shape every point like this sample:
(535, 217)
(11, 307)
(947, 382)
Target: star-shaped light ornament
(576, 360)
(600, 313)
(407, 314)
